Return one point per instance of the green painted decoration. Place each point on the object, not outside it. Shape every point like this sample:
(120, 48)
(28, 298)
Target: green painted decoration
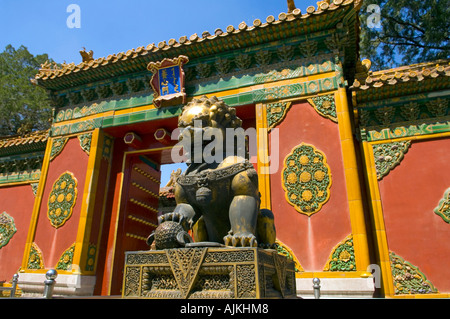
(85, 142)
(65, 261)
(343, 257)
(57, 146)
(21, 168)
(34, 188)
(405, 131)
(276, 112)
(296, 89)
(443, 208)
(7, 229)
(306, 179)
(35, 260)
(107, 147)
(408, 279)
(325, 106)
(90, 262)
(388, 155)
(83, 126)
(62, 199)
(417, 111)
(379, 121)
(295, 71)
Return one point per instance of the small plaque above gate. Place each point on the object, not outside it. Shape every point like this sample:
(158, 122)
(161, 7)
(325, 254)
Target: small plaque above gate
(168, 81)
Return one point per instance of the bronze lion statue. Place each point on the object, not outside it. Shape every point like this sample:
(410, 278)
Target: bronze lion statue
(217, 197)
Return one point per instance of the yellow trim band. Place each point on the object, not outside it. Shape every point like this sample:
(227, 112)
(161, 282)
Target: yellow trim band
(37, 205)
(352, 182)
(87, 208)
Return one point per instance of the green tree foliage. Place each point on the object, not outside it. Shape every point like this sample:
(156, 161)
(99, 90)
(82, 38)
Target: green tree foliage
(411, 31)
(24, 107)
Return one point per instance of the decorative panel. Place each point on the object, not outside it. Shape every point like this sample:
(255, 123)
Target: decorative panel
(34, 187)
(65, 261)
(306, 179)
(85, 142)
(443, 208)
(35, 259)
(91, 253)
(388, 156)
(342, 258)
(62, 199)
(57, 146)
(276, 113)
(7, 229)
(408, 279)
(325, 106)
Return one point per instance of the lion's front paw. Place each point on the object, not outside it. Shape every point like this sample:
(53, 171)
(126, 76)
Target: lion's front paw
(240, 240)
(175, 217)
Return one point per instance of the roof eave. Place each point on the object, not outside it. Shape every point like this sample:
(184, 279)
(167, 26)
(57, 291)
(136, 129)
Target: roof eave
(136, 60)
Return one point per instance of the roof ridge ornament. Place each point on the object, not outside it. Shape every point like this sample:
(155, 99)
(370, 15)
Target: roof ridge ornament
(291, 6)
(87, 56)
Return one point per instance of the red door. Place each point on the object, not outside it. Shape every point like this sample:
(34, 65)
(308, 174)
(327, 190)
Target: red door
(138, 212)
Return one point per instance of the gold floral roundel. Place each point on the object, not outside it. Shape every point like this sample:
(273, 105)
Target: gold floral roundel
(62, 199)
(306, 179)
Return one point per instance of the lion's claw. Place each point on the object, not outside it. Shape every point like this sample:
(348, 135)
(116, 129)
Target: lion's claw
(240, 240)
(175, 217)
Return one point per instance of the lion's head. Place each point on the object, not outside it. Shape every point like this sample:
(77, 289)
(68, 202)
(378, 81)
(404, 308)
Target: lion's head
(212, 112)
(206, 124)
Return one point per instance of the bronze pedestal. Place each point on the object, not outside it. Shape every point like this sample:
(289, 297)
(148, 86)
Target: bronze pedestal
(208, 272)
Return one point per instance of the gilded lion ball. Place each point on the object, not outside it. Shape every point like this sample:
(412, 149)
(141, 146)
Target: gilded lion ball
(166, 235)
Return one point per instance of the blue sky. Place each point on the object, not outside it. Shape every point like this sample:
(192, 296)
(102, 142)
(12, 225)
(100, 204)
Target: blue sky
(115, 26)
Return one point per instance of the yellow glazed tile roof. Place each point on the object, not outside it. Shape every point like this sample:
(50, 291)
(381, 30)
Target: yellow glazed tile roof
(365, 79)
(23, 143)
(197, 45)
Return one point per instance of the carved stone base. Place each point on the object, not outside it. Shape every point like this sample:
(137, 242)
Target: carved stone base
(208, 272)
(32, 285)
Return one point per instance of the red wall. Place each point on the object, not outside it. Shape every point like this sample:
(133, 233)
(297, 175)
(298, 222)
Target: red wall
(311, 238)
(53, 242)
(17, 202)
(99, 201)
(409, 194)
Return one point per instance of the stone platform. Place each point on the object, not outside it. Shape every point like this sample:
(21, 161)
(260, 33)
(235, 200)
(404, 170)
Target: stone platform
(208, 272)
